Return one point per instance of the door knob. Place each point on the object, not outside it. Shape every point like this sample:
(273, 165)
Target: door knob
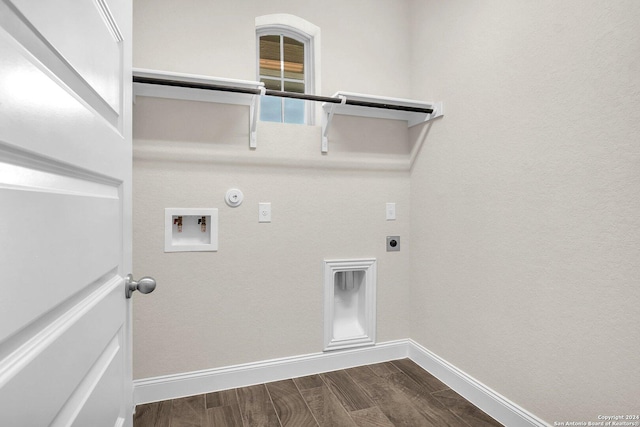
(146, 285)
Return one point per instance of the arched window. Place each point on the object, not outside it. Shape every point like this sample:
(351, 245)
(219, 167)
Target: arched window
(287, 60)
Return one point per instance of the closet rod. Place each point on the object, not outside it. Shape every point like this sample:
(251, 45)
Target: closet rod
(194, 85)
(294, 95)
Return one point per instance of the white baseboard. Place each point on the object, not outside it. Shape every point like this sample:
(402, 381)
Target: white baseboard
(210, 380)
(491, 402)
(191, 383)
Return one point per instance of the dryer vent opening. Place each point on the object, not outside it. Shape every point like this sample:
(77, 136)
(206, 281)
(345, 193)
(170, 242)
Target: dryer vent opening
(350, 301)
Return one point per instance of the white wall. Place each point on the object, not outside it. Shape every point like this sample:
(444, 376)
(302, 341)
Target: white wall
(525, 225)
(365, 44)
(260, 296)
(523, 231)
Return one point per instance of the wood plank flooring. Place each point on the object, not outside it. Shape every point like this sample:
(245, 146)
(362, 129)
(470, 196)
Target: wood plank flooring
(390, 394)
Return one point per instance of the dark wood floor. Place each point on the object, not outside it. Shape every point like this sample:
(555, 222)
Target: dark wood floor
(397, 393)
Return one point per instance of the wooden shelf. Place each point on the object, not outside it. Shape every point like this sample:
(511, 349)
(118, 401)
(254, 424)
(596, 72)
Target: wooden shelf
(412, 118)
(165, 84)
(160, 90)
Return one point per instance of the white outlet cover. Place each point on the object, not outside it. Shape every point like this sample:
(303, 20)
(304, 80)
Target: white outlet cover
(264, 212)
(391, 211)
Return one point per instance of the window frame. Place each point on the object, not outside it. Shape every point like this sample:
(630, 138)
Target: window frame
(309, 41)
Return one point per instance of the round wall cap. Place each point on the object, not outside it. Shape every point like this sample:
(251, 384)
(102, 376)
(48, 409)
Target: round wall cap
(234, 197)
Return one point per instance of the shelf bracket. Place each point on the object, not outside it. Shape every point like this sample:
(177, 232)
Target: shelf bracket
(438, 111)
(254, 112)
(326, 123)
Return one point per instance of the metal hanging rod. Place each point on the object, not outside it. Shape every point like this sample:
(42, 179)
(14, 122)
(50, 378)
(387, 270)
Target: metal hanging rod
(294, 95)
(194, 85)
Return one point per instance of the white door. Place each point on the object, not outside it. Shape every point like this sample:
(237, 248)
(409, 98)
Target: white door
(65, 212)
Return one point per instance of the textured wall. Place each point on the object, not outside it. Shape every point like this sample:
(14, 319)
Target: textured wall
(524, 225)
(525, 208)
(365, 45)
(261, 295)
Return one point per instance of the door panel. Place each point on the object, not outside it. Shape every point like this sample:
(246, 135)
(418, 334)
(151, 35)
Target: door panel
(102, 400)
(40, 224)
(41, 114)
(50, 366)
(36, 48)
(65, 212)
(98, 62)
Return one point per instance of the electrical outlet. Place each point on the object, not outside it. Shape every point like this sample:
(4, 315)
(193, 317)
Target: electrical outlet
(264, 212)
(393, 243)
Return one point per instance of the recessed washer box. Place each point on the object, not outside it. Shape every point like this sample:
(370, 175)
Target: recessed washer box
(190, 230)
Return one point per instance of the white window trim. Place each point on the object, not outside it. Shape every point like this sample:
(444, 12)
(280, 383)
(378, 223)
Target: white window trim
(302, 30)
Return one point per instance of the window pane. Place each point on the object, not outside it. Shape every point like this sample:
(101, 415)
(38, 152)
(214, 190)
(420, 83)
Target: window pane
(282, 58)
(297, 87)
(293, 59)
(271, 84)
(270, 56)
(293, 111)
(271, 109)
